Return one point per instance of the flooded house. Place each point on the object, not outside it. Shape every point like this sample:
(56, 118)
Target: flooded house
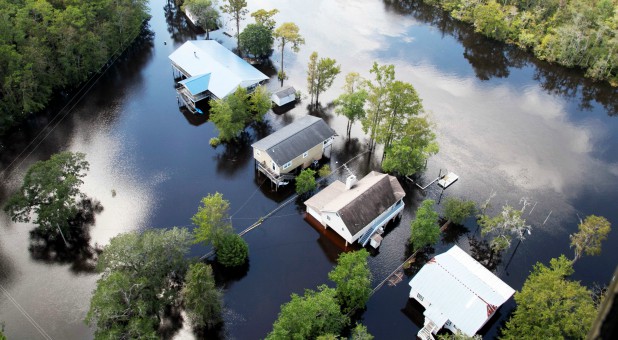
(206, 69)
(285, 152)
(358, 210)
(284, 96)
(458, 293)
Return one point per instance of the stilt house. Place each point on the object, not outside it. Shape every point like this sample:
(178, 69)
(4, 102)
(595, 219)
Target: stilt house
(358, 211)
(458, 293)
(285, 152)
(209, 70)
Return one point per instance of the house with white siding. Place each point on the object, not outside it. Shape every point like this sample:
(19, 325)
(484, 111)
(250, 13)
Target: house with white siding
(295, 147)
(358, 210)
(209, 70)
(458, 293)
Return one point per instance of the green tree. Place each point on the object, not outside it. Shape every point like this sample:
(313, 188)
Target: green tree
(351, 103)
(212, 220)
(237, 9)
(232, 250)
(353, 280)
(256, 40)
(503, 226)
(46, 46)
(457, 210)
(328, 336)
(305, 182)
(288, 33)
(50, 190)
(592, 231)
(202, 299)
(156, 254)
(231, 114)
(205, 13)
(551, 307)
(141, 278)
(309, 316)
(324, 171)
(360, 333)
(424, 228)
(312, 71)
(321, 75)
(403, 103)
(408, 155)
(260, 103)
(265, 18)
(121, 308)
(377, 100)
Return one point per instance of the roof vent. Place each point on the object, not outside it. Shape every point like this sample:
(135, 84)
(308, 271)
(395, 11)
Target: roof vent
(349, 182)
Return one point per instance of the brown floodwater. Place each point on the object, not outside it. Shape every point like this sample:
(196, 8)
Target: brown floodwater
(506, 123)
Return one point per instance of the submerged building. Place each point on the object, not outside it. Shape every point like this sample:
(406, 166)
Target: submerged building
(209, 70)
(292, 148)
(358, 210)
(458, 293)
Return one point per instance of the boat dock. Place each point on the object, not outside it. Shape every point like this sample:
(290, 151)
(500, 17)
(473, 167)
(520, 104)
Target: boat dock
(447, 180)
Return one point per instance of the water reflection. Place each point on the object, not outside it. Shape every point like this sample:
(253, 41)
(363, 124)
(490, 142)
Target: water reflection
(491, 59)
(177, 24)
(77, 251)
(235, 155)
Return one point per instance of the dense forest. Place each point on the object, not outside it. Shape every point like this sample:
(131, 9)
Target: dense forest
(573, 33)
(51, 45)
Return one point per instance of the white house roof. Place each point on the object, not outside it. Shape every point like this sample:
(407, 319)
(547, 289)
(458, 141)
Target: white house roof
(460, 289)
(197, 58)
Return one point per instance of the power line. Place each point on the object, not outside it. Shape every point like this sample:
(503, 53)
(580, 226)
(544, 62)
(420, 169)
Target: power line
(25, 314)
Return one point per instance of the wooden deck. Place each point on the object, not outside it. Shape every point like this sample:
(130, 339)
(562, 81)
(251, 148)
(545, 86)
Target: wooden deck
(277, 179)
(447, 180)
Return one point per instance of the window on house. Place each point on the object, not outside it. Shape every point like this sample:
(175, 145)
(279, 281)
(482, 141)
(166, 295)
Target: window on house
(419, 296)
(305, 154)
(258, 153)
(287, 165)
(328, 217)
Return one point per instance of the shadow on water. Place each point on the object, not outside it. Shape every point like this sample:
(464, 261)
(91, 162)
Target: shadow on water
(179, 28)
(453, 232)
(235, 155)
(225, 277)
(492, 59)
(6, 268)
(481, 251)
(79, 253)
(419, 260)
(171, 322)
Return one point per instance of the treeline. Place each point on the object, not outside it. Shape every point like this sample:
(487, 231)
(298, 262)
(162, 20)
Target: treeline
(574, 33)
(50, 45)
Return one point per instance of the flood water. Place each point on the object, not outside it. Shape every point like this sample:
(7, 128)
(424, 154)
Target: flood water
(505, 123)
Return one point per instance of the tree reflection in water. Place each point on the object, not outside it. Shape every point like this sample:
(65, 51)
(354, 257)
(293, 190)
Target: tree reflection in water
(78, 252)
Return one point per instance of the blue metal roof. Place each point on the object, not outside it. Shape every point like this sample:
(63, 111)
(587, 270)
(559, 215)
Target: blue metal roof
(197, 84)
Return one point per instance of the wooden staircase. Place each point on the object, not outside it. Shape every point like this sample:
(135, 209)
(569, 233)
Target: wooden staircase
(426, 333)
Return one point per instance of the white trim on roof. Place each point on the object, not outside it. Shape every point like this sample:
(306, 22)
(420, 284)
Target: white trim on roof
(457, 288)
(227, 71)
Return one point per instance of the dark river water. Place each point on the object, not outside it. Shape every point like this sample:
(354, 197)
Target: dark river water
(506, 123)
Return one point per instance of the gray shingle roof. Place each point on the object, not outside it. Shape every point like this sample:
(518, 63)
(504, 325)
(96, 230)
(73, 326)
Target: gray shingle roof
(285, 92)
(291, 141)
(361, 204)
(369, 205)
